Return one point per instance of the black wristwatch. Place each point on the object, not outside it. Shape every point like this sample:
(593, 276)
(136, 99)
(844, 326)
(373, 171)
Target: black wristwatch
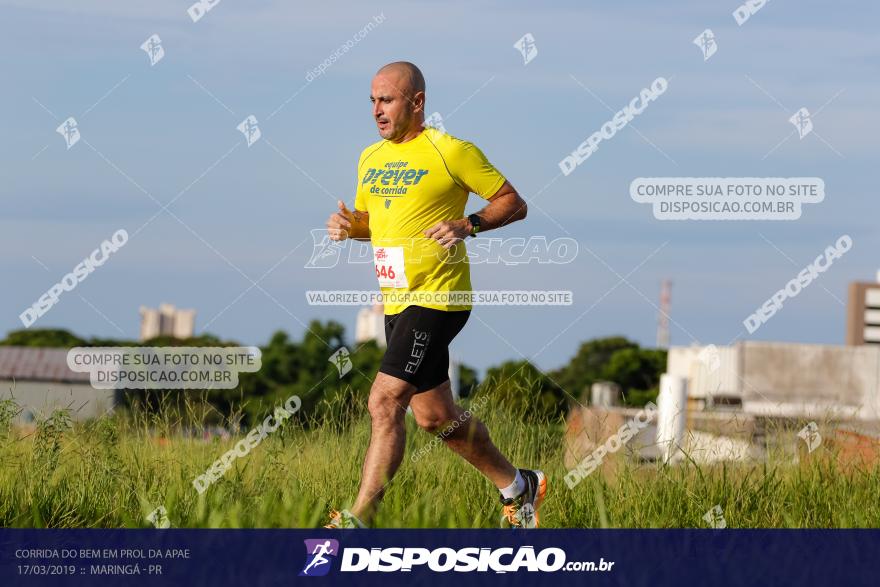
(475, 223)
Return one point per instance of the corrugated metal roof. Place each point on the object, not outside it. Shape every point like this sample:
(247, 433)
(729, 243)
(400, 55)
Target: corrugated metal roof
(37, 364)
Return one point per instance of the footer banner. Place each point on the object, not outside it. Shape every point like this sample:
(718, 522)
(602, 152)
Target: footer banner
(438, 557)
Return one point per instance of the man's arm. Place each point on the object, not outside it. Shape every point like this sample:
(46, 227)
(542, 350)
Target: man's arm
(347, 224)
(505, 206)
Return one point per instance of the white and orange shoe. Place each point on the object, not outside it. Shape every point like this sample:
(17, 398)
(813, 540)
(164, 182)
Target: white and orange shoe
(522, 511)
(343, 519)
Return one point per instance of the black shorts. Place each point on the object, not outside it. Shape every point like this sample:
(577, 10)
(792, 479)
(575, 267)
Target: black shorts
(418, 345)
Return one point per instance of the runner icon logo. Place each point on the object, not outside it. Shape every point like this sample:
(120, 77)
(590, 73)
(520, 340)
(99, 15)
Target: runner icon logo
(320, 553)
(325, 251)
(802, 122)
(706, 42)
(527, 47)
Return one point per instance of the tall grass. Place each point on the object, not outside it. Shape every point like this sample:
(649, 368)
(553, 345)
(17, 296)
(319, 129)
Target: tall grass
(113, 471)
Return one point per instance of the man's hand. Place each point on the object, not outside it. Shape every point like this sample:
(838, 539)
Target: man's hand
(505, 206)
(450, 232)
(347, 224)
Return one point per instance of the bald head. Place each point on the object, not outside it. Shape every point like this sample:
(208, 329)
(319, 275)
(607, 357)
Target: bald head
(398, 97)
(411, 79)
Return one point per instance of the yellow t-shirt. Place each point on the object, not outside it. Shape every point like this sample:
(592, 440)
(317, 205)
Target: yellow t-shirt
(409, 187)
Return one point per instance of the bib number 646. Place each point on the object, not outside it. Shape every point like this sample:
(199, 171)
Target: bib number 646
(390, 267)
(385, 271)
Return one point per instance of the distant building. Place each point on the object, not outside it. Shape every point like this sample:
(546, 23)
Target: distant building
(40, 381)
(167, 321)
(454, 376)
(863, 313)
(781, 378)
(370, 325)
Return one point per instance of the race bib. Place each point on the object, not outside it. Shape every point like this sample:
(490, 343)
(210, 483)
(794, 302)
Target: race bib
(389, 267)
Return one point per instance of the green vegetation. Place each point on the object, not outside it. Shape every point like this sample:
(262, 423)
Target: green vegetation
(302, 368)
(616, 359)
(113, 471)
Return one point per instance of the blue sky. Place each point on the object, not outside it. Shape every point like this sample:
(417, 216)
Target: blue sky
(157, 131)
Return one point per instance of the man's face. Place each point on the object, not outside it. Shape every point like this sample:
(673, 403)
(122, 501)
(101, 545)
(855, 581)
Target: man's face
(394, 110)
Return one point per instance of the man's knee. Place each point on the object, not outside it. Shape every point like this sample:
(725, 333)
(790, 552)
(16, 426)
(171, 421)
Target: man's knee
(432, 422)
(383, 409)
(387, 407)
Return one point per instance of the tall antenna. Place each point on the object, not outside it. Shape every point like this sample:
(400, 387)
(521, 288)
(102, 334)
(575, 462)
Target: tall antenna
(663, 315)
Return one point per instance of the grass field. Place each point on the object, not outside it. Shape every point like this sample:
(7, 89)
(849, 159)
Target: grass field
(114, 471)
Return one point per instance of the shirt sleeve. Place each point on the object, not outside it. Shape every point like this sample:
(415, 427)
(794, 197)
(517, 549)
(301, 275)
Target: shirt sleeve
(471, 169)
(360, 201)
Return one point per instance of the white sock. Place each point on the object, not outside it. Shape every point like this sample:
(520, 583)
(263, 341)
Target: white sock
(515, 488)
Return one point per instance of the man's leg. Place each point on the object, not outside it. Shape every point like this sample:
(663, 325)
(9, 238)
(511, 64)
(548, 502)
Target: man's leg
(435, 411)
(389, 398)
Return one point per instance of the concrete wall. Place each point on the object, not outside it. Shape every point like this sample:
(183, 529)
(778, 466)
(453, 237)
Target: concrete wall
(787, 379)
(704, 377)
(40, 398)
(811, 376)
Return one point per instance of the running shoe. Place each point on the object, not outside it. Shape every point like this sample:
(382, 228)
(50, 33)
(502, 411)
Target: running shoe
(343, 520)
(522, 511)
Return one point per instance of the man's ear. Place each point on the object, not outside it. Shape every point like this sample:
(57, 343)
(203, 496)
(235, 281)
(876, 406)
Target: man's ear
(419, 102)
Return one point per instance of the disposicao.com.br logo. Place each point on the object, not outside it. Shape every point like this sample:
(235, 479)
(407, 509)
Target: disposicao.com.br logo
(318, 556)
(442, 560)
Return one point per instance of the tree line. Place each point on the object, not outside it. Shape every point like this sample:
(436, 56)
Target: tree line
(304, 368)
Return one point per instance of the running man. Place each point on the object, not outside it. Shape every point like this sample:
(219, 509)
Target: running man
(413, 186)
(320, 550)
